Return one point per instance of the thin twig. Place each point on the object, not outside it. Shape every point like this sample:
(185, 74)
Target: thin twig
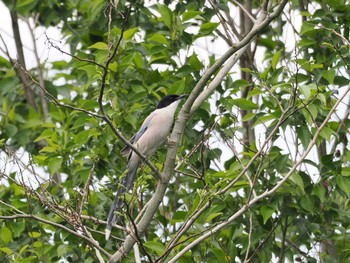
(39, 219)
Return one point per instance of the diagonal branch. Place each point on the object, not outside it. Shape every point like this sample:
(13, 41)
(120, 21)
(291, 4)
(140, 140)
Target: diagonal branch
(193, 102)
(92, 242)
(268, 192)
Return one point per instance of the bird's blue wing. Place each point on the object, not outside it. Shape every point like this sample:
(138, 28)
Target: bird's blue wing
(137, 136)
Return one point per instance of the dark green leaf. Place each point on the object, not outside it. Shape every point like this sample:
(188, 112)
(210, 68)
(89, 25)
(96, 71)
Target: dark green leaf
(245, 104)
(155, 246)
(266, 212)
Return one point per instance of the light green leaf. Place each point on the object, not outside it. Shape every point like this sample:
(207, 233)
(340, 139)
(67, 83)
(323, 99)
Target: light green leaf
(275, 59)
(326, 133)
(6, 234)
(138, 60)
(159, 38)
(49, 149)
(208, 28)
(345, 171)
(166, 15)
(6, 250)
(99, 46)
(191, 14)
(329, 75)
(128, 34)
(5, 63)
(55, 164)
(344, 184)
(306, 91)
(248, 116)
(62, 250)
(34, 234)
(29, 259)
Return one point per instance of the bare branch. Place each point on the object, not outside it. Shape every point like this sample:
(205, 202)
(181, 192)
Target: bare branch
(90, 241)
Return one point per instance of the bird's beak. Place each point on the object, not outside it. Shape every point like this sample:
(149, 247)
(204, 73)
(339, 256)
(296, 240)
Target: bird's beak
(182, 96)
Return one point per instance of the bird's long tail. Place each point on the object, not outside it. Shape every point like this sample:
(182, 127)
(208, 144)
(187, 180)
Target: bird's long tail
(119, 201)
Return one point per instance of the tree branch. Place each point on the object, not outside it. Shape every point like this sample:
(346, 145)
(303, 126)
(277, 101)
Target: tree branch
(179, 127)
(268, 192)
(21, 61)
(92, 242)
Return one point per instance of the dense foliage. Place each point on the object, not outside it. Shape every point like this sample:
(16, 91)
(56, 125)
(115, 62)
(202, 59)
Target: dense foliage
(261, 171)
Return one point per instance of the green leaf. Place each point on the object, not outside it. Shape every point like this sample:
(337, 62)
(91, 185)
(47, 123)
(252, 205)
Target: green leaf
(329, 75)
(4, 63)
(344, 184)
(320, 191)
(7, 85)
(159, 38)
(244, 104)
(24, 6)
(49, 149)
(6, 250)
(63, 249)
(248, 116)
(99, 46)
(208, 28)
(191, 14)
(254, 92)
(34, 234)
(306, 91)
(179, 216)
(195, 64)
(306, 27)
(307, 202)
(220, 254)
(345, 171)
(6, 234)
(155, 246)
(29, 259)
(166, 15)
(212, 216)
(241, 83)
(296, 178)
(55, 164)
(304, 135)
(326, 133)
(128, 34)
(82, 137)
(10, 130)
(275, 59)
(266, 212)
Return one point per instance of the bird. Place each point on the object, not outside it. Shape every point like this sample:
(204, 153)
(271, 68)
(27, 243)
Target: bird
(152, 134)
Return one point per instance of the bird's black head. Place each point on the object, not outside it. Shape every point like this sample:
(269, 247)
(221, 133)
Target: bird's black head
(167, 100)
